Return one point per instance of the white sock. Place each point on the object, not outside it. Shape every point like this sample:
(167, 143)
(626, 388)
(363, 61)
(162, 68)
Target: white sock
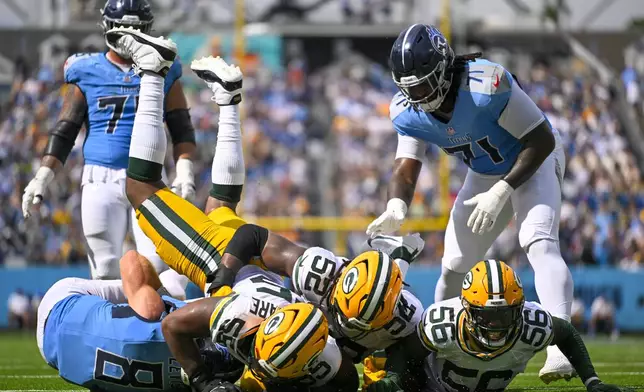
(552, 278)
(148, 145)
(228, 168)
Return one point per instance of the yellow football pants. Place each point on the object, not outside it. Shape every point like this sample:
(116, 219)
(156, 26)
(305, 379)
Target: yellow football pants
(186, 239)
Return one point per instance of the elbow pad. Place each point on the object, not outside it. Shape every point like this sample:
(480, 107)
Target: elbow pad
(249, 241)
(61, 139)
(180, 126)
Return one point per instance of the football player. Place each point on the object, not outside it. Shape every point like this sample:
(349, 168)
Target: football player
(98, 339)
(101, 93)
(340, 286)
(193, 243)
(364, 300)
(284, 342)
(481, 340)
(475, 109)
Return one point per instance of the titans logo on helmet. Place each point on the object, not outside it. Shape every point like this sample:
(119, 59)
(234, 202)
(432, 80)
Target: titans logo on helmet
(438, 40)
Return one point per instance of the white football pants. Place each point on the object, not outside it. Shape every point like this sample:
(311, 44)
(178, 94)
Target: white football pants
(537, 206)
(107, 215)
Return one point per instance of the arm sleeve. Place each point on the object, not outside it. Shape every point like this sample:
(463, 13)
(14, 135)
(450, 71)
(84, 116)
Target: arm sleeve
(519, 114)
(247, 242)
(180, 126)
(410, 147)
(571, 344)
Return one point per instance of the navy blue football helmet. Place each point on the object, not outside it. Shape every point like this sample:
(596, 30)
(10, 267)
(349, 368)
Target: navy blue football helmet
(127, 13)
(420, 63)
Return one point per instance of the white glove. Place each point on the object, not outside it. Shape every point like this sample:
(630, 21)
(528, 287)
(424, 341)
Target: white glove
(224, 80)
(390, 220)
(487, 207)
(184, 182)
(35, 189)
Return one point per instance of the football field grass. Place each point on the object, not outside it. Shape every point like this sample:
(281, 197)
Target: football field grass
(622, 363)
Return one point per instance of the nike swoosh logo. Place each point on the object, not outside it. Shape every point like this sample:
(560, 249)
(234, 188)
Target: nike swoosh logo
(496, 83)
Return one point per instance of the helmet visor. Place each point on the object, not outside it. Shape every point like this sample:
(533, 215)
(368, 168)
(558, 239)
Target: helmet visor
(494, 324)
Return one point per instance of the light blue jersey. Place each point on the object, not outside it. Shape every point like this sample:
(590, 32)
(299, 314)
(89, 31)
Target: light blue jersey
(102, 346)
(112, 96)
(491, 114)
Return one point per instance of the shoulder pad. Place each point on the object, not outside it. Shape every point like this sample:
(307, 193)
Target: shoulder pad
(232, 317)
(437, 329)
(76, 61)
(407, 316)
(315, 272)
(324, 368)
(486, 79)
(537, 326)
(269, 293)
(398, 105)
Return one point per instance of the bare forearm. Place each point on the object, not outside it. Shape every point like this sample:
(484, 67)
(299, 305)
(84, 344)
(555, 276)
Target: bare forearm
(185, 351)
(182, 326)
(403, 181)
(185, 150)
(51, 162)
(537, 145)
(528, 162)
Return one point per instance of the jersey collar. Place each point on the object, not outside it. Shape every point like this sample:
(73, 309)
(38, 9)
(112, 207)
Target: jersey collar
(120, 67)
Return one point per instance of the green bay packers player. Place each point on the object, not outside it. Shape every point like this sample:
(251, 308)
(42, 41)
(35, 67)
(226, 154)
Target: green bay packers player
(482, 340)
(364, 300)
(285, 345)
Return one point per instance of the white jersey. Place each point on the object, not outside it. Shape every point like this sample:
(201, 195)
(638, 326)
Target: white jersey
(314, 275)
(257, 295)
(453, 367)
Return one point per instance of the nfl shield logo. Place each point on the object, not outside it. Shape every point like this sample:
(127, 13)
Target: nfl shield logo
(127, 79)
(450, 131)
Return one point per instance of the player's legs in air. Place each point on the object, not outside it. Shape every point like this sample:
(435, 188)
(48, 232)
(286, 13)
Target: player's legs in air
(174, 283)
(537, 206)
(185, 238)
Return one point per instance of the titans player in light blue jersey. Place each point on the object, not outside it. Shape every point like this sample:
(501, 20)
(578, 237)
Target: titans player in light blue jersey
(101, 93)
(106, 335)
(476, 110)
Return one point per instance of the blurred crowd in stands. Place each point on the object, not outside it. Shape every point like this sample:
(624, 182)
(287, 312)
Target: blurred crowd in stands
(326, 137)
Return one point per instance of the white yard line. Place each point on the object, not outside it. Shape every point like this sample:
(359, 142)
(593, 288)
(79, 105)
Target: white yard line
(30, 376)
(19, 367)
(619, 364)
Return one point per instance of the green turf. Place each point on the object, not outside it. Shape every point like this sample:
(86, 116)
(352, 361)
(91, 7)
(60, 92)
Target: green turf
(622, 363)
